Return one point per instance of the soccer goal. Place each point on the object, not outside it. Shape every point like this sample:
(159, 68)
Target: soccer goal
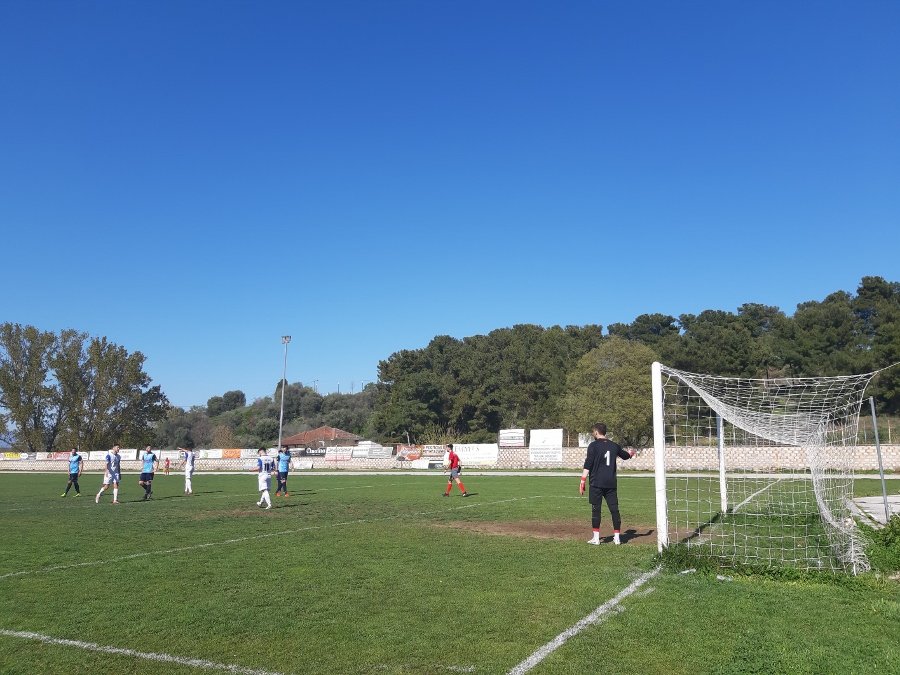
(757, 473)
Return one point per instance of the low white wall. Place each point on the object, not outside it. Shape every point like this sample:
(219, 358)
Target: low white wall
(682, 458)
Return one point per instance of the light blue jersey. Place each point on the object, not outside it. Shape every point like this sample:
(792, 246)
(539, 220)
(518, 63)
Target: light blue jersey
(149, 460)
(284, 462)
(74, 463)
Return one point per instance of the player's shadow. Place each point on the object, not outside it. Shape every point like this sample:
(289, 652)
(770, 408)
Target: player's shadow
(471, 494)
(290, 506)
(629, 535)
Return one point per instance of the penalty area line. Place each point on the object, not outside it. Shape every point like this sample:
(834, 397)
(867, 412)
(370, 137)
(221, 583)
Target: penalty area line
(593, 618)
(147, 656)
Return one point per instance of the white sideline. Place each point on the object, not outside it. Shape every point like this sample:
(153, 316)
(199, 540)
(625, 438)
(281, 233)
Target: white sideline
(147, 656)
(266, 535)
(594, 617)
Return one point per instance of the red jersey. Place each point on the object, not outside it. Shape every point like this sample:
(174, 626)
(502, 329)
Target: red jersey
(453, 458)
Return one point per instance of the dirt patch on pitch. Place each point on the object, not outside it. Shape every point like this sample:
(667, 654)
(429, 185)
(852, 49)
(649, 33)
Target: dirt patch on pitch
(562, 530)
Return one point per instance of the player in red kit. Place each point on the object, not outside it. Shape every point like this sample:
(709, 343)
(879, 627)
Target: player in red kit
(452, 463)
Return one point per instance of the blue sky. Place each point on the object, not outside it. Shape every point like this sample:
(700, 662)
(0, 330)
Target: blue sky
(195, 179)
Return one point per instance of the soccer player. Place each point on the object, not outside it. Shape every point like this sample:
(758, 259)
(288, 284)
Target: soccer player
(600, 465)
(284, 465)
(455, 470)
(151, 465)
(166, 466)
(74, 473)
(188, 465)
(112, 475)
(265, 467)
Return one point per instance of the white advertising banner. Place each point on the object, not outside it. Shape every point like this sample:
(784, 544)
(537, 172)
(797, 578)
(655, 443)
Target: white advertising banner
(97, 454)
(545, 445)
(381, 452)
(172, 455)
(511, 438)
(210, 454)
(433, 451)
(426, 463)
(128, 454)
(247, 453)
(339, 453)
(477, 454)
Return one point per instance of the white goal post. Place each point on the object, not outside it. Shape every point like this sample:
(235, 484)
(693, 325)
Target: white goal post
(757, 472)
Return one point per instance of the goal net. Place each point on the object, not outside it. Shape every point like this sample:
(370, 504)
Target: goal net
(758, 473)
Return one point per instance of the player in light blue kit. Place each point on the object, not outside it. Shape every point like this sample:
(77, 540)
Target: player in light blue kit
(265, 467)
(113, 474)
(284, 465)
(74, 473)
(150, 466)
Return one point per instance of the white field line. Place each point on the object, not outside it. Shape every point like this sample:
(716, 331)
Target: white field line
(593, 618)
(755, 494)
(266, 535)
(90, 505)
(603, 610)
(147, 656)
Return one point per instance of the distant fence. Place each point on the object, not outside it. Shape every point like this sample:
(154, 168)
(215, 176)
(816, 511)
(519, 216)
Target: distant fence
(473, 456)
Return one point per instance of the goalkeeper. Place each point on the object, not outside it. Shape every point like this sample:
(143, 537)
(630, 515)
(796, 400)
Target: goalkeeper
(600, 466)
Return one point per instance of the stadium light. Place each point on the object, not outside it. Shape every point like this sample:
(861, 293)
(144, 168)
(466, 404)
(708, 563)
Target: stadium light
(285, 340)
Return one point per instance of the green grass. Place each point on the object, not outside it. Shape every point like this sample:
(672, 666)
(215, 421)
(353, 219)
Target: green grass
(380, 574)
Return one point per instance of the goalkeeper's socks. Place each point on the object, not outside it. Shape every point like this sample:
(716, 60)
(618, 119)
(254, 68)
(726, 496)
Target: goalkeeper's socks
(596, 537)
(616, 537)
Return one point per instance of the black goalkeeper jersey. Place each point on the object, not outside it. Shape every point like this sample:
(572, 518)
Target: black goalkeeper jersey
(601, 463)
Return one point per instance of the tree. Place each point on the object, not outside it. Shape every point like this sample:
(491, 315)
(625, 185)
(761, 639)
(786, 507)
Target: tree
(234, 399)
(57, 388)
(25, 354)
(611, 384)
(119, 405)
(223, 437)
(215, 406)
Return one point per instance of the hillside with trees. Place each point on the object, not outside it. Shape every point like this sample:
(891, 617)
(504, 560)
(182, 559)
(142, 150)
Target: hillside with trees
(59, 389)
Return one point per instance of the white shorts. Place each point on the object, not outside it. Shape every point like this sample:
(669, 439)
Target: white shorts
(265, 481)
(111, 478)
(188, 473)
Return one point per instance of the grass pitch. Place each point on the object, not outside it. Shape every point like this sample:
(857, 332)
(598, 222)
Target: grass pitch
(381, 574)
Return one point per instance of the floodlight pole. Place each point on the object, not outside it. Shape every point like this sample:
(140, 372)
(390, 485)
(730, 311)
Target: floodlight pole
(285, 340)
(887, 508)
